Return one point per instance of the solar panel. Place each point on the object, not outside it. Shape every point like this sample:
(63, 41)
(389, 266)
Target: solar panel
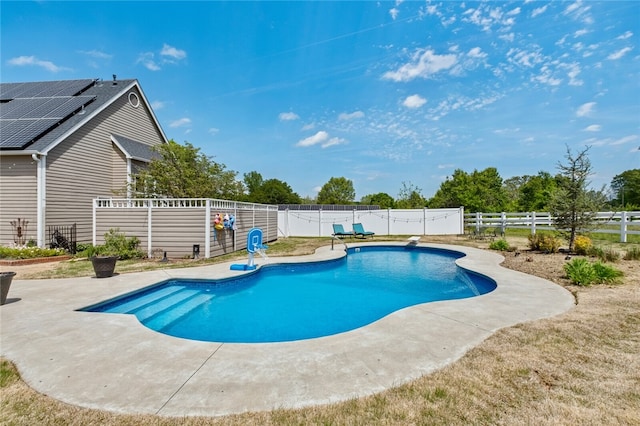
(27, 134)
(69, 106)
(20, 108)
(43, 89)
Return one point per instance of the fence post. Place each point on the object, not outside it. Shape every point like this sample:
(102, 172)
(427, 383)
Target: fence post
(207, 229)
(95, 222)
(533, 223)
(503, 224)
(623, 227)
(320, 222)
(478, 222)
(149, 230)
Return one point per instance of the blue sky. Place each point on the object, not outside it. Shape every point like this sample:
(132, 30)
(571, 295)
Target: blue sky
(378, 92)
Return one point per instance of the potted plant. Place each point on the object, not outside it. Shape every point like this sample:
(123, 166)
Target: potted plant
(5, 283)
(103, 261)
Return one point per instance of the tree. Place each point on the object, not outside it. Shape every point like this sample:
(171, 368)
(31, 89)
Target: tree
(574, 207)
(477, 192)
(182, 171)
(253, 181)
(382, 199)
(338, 190)
(410, 197)
(274, 191)
(626, 188)
(536, 191)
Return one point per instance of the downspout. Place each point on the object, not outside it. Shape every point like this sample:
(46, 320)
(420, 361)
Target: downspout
(41, 195)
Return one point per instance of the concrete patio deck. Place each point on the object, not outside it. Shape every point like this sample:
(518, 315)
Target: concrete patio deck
(112, 362)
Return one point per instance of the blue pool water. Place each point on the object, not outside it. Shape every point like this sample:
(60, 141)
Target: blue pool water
(300, 301)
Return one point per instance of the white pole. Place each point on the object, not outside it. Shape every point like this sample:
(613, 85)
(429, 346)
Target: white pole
(149, 229)
(207, 229)
(623, 227)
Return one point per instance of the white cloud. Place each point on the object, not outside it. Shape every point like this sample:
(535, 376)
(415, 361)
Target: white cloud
(394, 13)
(593, 128)
(625, 36)
(580, 33)
(213, 130)
(309, 126)
(424, 63)
(619, 54)
(22, 61)
(414, 101)
(157, 105)
(181, 122)
(585, 110)
(538, 11)
(333, 141)
(148, 61)
(476, 52)
(319, 137)
(624, 140)
(172, 52)
(350, 116)
(288, 116)
(96, 54)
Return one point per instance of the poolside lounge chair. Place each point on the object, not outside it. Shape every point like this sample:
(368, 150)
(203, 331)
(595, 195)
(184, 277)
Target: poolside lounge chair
(338, 231)
(359, 231)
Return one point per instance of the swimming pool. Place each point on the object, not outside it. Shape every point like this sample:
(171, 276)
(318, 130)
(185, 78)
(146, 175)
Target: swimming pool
(286, 302)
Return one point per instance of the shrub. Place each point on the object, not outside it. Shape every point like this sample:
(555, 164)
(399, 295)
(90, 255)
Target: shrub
(580, 272)
(500, 244)
(582, 244)
(546, 243)
(28, 252)
(606, 273)
(584, 273)
(632, 254)
(116, 243)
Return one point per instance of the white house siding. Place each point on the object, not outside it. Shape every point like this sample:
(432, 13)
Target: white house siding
(82, 167)
(18, 188)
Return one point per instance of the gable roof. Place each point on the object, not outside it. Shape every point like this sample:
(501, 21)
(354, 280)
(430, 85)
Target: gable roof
(37, 116)
(134, 149)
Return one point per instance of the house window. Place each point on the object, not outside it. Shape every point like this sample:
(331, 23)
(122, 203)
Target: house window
(134, 100)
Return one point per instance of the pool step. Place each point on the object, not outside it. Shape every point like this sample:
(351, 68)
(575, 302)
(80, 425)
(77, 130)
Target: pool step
(163, 304)
(141, 302)
(165, 322)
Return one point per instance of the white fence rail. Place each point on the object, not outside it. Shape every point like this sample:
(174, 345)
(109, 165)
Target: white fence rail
(607, 222)
(318, 223)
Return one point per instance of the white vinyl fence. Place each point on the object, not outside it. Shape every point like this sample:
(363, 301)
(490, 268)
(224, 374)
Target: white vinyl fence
(622, 223)
(318, 223)
(183, 227)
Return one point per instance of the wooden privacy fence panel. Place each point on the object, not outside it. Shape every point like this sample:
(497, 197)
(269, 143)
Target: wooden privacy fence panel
(177, 226)
(622, 223)
(319, 223)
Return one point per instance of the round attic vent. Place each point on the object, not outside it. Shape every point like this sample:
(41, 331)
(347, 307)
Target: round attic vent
(134, 100)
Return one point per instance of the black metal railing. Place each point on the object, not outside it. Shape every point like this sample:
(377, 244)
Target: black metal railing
(64, 237)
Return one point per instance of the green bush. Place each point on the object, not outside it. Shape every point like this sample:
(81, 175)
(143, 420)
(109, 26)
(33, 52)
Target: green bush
(500, 244)
(28, 252)
(632, 254)
(606, 273)
(116, 243)
(545, 243)
(584, 273)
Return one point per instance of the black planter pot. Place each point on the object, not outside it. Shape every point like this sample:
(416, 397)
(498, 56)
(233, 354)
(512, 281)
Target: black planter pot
(104, 266)
(5, 283)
